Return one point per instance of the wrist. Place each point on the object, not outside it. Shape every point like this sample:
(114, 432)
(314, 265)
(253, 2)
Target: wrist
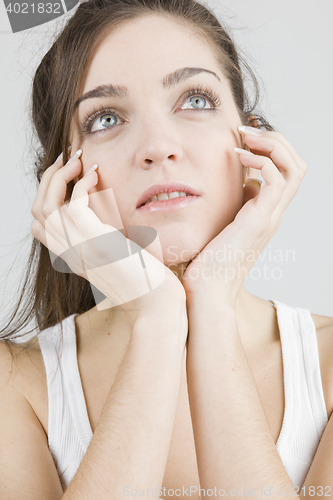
(209, 301)
(168, 330)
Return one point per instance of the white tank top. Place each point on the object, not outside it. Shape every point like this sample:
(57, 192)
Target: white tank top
(304, 420)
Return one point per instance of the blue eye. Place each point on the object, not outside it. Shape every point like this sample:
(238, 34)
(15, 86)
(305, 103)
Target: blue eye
(197, 102)
(195, 99)
(103, 122)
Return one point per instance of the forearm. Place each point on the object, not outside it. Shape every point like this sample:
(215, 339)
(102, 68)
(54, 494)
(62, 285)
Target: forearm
(234, 446)
(131, 442)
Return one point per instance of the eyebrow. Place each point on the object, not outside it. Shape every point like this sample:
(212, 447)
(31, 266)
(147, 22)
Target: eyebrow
(168, 81)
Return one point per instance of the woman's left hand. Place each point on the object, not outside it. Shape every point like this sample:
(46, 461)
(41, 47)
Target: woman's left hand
(256, 222)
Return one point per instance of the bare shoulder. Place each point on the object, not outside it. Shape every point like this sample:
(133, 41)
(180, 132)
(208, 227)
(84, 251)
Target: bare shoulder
(324, 323)
(324, 329)
(25, 458)
(22, 368)
(20, 361)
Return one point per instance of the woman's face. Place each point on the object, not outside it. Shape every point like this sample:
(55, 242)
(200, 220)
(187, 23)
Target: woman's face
(153, 131)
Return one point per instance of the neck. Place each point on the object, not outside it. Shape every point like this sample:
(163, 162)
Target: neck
(256, 317)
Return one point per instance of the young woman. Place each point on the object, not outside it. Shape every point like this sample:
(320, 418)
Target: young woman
(179, 379)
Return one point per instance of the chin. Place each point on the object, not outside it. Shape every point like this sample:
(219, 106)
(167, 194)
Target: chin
(181, 247)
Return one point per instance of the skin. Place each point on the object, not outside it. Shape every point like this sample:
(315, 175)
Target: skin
(156, 141)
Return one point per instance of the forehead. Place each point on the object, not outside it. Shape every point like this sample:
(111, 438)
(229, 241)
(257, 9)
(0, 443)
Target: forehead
(143, 50)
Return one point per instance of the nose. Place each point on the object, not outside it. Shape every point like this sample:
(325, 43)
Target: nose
(158, 145)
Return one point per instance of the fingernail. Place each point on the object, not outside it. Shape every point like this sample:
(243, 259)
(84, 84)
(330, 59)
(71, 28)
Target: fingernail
(75, 156)
(250, 130)
(60, 156)
(240, 150)
(91, 170)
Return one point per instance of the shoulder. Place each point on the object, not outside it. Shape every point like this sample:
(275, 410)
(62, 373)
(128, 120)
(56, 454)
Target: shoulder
(22, 370)
(323, 323)
(21, 362)
(25, 458)
(14, 356)
(324, 329)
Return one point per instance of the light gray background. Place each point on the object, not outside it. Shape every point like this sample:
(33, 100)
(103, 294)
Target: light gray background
(289, 45)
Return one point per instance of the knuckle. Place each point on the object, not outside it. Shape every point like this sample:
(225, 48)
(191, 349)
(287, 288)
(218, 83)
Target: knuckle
(51, 170)
(72, 209)
(34, 228)
(278, 135)
(300, 174)
(281, 181)
(305, 167)
(301, 170)
(273, 134)
(46, 210)
(34, 209)
(45, 174)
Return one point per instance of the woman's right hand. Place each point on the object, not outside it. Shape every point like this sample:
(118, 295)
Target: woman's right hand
(99, 252)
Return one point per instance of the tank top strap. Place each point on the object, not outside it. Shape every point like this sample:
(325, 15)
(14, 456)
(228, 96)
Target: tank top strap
(305, 414)
(73, 384)
(69, 430)
(292, 368)
(312, 369)
(50, 346)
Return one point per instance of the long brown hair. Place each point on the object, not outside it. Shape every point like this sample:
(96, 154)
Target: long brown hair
(48, 296)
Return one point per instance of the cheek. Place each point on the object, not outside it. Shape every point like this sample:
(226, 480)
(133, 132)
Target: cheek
(224, 183)
(105, 154)
(107, 198)
(224, 170)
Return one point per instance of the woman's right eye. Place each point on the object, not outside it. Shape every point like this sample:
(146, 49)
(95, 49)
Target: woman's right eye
(103, 122)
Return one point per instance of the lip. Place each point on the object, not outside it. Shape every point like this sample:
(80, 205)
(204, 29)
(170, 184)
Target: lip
(168, 205)
(167, 187)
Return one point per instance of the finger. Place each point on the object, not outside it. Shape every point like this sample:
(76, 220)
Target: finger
(55, 195)
(58, 225)
(36, 209)
(38, 232)
(250, 134)
(271, 193)
(84, 218)
(68, 260)
(48, 210)
(43, 187)
(279, 154)
(283, 161)
(299, 160)
(288, 162)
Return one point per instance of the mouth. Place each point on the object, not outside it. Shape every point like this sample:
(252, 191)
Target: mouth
(166, 205)
(161, 197)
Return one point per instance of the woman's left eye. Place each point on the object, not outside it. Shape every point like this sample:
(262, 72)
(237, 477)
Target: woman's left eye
(103, 122)
(196, 102)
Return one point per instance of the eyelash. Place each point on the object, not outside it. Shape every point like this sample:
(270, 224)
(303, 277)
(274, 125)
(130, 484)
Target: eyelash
(205, 92)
